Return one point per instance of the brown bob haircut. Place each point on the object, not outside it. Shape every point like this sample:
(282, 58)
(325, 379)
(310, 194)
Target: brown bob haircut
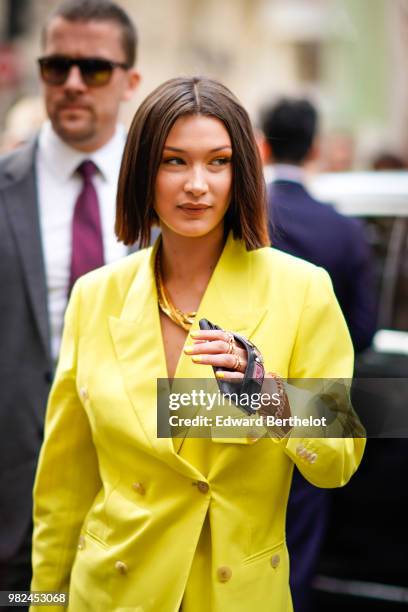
(135, 215)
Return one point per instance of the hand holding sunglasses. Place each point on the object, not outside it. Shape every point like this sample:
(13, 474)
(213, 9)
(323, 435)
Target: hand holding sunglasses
(95, 71)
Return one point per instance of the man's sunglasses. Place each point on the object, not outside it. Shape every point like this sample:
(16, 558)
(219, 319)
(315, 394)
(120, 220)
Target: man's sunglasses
(95, 71)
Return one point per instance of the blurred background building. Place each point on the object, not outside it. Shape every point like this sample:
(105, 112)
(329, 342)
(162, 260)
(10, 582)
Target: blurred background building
(350, 56)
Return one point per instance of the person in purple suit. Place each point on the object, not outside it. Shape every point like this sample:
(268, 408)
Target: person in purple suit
(302, 226)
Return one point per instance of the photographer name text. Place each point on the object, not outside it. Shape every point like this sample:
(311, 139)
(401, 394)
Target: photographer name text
(229, 421)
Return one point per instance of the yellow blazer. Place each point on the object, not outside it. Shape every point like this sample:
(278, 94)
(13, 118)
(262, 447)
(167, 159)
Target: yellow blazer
(129, 522)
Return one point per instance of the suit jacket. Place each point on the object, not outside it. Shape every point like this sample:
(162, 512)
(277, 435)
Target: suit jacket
(312, 230)
(26, 365)
(25, 359)
(119, 512)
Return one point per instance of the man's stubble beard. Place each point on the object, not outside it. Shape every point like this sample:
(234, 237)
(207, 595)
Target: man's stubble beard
(73, 135)
(86, 132)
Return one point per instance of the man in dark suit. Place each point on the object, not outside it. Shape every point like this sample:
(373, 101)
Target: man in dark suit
(57, 206)
(302, 226)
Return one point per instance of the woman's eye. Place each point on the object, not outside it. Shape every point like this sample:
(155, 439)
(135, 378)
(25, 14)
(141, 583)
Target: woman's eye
(221, 161)
(173, 161)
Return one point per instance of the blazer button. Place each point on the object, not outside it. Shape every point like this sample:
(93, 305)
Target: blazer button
(203, 486)
(313, 457)
(139, 488)
(275, 560)
(224, 573)
(121, 567)
(302, 452)
(81, 542)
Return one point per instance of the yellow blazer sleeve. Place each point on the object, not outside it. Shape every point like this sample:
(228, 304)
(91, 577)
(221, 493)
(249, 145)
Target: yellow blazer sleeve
(64, 489)
(323, 350)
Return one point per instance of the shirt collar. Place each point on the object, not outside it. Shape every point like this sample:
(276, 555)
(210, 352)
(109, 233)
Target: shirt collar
(288, 172)
(63, 160)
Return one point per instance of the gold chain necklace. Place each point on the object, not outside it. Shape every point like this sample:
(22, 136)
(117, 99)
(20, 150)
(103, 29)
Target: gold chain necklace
(180, 318)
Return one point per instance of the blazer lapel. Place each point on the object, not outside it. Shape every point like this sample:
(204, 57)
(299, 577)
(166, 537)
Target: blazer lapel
(231, 302)
(137, 339)
(20, 197)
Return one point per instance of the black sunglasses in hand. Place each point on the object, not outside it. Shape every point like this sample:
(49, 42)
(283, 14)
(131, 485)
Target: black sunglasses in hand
(95, 71)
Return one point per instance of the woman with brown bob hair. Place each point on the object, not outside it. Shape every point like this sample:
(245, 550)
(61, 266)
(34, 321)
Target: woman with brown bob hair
(246, 216)
(128, 516)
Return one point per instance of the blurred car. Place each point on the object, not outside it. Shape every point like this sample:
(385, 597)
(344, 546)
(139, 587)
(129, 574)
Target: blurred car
(364, 565)
(380, 200)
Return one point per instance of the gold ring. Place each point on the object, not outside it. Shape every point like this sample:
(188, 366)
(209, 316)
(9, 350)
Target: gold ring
(231, 343)
(237, 363)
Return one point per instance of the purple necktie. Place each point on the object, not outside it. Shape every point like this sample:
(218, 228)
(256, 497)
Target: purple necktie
(87, 242)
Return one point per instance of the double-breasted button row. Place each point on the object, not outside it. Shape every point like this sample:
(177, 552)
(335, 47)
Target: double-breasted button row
(121, 567)
(224, 573)
(202, 486)
(309, 456)
(139, 488)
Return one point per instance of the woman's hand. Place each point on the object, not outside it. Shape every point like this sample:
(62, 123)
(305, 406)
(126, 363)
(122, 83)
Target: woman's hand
(218, 348)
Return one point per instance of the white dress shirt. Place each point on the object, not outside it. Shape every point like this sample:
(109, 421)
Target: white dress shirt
(285, 172)
(58, 186)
